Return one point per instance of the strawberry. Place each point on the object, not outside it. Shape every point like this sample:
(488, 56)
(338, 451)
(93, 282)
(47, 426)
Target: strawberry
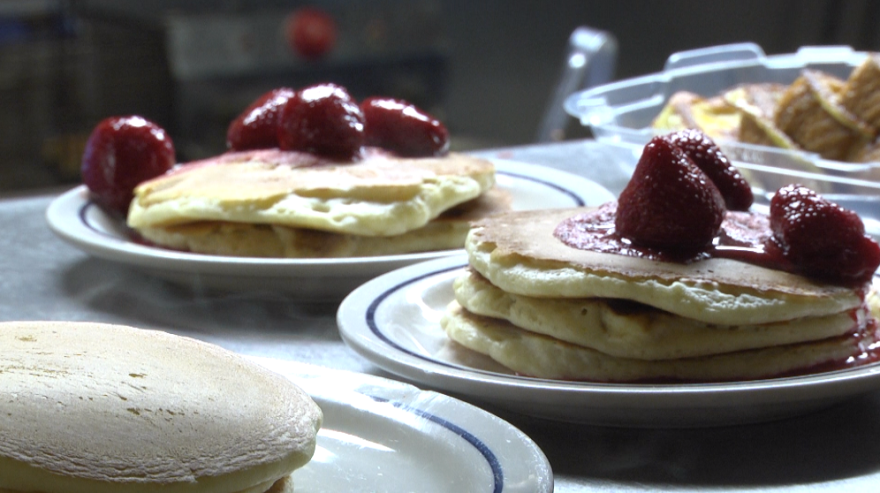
(709, 158)
(322, 119)
(820, 238)
(669, 203)
(120, 153)
(402, 128)
(257, 126)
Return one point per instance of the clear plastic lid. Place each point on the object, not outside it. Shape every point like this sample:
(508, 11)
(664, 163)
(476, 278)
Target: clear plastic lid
(622, 113)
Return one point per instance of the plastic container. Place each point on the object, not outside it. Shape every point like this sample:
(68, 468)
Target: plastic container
(621, 113)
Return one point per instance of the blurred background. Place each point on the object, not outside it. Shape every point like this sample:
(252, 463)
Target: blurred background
(487, 68)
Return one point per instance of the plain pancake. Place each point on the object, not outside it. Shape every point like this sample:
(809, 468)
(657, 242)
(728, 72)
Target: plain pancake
(97, 408)
(446, 232)
(283, 485)
(518, 252)
(535, 355)
(636, 331)
(377, 196)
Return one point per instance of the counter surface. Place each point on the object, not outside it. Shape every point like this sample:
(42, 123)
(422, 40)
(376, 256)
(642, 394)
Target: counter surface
(835, 449)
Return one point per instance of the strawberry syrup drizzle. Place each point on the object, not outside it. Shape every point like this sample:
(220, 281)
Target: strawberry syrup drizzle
(742, 237)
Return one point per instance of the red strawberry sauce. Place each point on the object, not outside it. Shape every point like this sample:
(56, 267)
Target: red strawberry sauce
(741, 237)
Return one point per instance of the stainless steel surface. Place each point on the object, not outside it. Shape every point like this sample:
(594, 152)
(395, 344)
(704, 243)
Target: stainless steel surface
(833, 450)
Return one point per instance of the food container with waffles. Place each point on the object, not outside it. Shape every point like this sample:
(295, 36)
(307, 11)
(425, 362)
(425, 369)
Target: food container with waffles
(808, 116)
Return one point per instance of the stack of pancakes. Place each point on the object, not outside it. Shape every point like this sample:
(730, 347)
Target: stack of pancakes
(544, 309)
(273, 203)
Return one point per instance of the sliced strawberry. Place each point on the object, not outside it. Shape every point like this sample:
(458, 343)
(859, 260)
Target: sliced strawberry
(403, 128)
(821, 238)
(669, 203)
(257, 126)
(709, 158)
(322, 119)
(120, 153)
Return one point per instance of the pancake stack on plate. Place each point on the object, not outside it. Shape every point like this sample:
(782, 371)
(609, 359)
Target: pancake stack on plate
(272, 203)
(544, 309)
(97, 408)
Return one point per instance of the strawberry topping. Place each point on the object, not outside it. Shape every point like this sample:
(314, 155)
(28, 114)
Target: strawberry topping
(257, 126)
(669, 203)
(403, 128)
(820, 238)
(120, 153)
(323, 119)
(709, 158)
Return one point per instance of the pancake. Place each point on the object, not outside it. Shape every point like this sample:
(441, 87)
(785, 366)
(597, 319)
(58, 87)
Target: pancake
(377, 196)
(446, 232)
(518, 253)
(283, 485)
(637, 331)
(540, 356)
(97, 408)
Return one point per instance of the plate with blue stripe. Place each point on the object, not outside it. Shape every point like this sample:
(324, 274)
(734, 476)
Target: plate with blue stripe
(381, 435)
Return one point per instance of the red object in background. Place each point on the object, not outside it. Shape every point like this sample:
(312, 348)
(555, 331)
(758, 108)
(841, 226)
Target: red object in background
(311, 32)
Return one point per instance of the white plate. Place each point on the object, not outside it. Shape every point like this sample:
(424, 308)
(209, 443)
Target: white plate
(385, 436)
(393, 321)
(77, 220)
